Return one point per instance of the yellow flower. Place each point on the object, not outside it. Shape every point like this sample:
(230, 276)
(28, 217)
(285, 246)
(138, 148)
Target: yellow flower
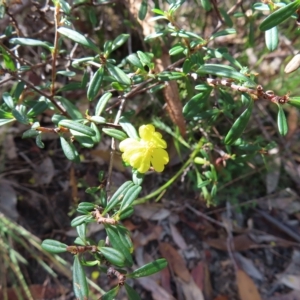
(149, 150)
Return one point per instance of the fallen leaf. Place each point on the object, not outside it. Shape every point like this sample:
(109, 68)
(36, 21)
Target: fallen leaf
(294, 295)
(177, 237)
(190, 290)
(175, 261)
(240, 243)
(291, 281)
(153, 211)
(248, 266)
(44, 172)
(8, 200)
(246, 287)
(292, 119)
(158, 293)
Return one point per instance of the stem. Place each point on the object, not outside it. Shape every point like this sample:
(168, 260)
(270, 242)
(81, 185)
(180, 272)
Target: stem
(172, 180)
(54, 52)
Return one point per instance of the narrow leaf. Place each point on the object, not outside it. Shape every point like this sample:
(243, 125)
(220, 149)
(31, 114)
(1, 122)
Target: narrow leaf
(54, 246)
(119, 41)
(222, 71)
(130, 196)
(271, 37)
(30, 42)
(102, 103)
(281, 121)
(70, 124)
(279, 16)
(118, 196)
(117, 243)
(78, 38)
(149, 269)
(68, 149)
(95, 84)
(118, 74)
(128, 128)
(115, 133)
(143, 10)
(7, 98)
(239, 125)
(131, 293)
(114, 256)
(80, 286)
(111, 295)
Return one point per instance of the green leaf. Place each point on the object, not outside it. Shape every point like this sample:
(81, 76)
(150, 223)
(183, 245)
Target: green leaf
(53, 246)
(206, 4)
(203, 184)
(271, 37)
(222, 71)
(71, 109)
(80, 220)
(39, 142)
(294, 101)
(145, 58)
(143, 10)
(131, 293)
(117, 243)
(81, 230)
(29, 133)
(87, 206)
(69, 150)
(80, 285)
(102, 103)
(5, 121)
(279, 16)
(226, 17)
(96, 138)
(115, 133)
(223, 33)
(20, 117)
(66, 73)
(119, 41)
(70, 124)
(97, 119)
(281, 121)
(95, 84)
(167, 76)
(128, 128)
(114, 256)
(112, 294)
(8, 60)
(78, 38)
(239, 125)
(135, 61)
(149, 269)
(118, 196)
(130, 196)
(118, 74)
(83, 140)
(126, 213)
(31, 42)
(177, 49)
(37, 109)
(137, 177)
(7, 98)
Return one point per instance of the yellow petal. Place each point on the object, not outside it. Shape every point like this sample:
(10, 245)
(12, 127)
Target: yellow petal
(140, 161)
(159, 159)
(147, 133)
(128, 143)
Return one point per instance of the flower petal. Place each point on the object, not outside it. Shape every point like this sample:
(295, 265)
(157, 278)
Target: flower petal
(140, 161)
(128, 143)
(159, 159)
(147, 133)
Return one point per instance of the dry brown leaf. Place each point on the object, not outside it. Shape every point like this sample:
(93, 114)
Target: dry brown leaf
(246, 287)
(177, 237)
(292, 281)
(190, 290)
(158, 293)
(201, 277)
(44, 172)
(175, 261)
(151, 211)
(171, 95)
(37, 291)
(294, 295)
(240, 243)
